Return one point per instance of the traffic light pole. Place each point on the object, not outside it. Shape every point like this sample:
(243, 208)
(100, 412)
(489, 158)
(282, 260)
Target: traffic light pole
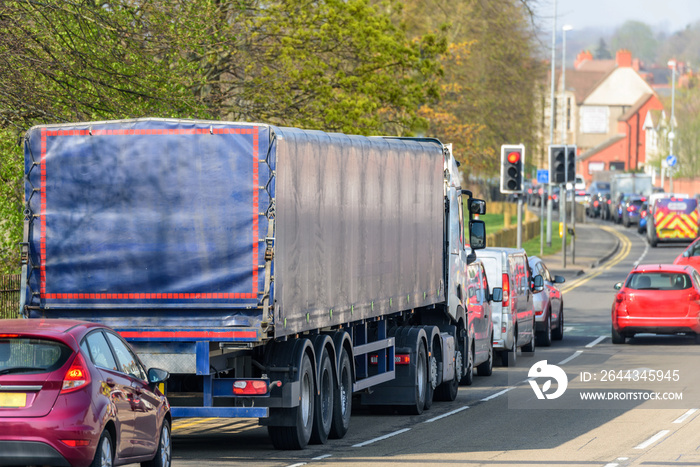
(573, 223)
(562, 220)
(520, 221)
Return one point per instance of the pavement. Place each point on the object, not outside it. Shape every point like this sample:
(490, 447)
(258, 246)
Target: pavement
(593, 246)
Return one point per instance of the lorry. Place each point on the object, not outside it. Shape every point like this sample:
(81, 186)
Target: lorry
(275, 273)
(627, 183)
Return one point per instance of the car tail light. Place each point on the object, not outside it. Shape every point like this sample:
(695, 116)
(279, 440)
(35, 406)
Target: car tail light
(620, 298)
(643, 214)
(2, 336)
(554, 197)
(595, 203)
(74, 443)
(506, 290)
(581, 193)
(631, 208)
(609, 201)
(694, 296)
(251, 387)
(77, 375)
(644, 199)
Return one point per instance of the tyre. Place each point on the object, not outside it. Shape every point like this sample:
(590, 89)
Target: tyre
(510, 357)
(323, 413)
(626, 223)
(342, 399)
(617, 338)
(529, 348)
(448, 391)
(421, 380)
(104, 455)
(486, 368)
(298, 436)
(468, 377)
(544, 338)
(432, 378)
(697, 338)
(558, 333)
(163, 457)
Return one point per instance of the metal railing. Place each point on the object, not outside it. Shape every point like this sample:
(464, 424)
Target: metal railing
(9, 296)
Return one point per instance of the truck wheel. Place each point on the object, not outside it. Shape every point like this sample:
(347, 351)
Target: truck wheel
(468, 377)
(323, 415)
(486, 368)
(342, 399)
(421, 372)
(432, 380)
(448, 391)
(298, 436)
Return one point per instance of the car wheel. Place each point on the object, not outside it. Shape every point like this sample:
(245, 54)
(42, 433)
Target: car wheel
(558, 333)
(163, 456)
(510, 357)
(529, 348)
(617, 338)
(544, 338)
(486, 368)
(104, 455)
(468, 377)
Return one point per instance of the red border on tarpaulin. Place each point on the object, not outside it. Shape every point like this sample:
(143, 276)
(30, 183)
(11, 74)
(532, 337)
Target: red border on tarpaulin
(147, 296)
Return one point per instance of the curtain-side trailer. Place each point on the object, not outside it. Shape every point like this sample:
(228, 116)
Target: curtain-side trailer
(274, 272)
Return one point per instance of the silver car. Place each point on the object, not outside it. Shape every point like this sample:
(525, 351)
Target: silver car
(549, 305)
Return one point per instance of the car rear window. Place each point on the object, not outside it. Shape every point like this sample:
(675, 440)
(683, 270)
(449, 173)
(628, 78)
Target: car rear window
(637, 202)
(659, 281)
(22, 355)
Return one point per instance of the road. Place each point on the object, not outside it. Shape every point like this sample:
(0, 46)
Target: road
(500, 422)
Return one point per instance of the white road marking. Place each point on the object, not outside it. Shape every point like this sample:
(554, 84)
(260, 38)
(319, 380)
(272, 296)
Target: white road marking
(381, 438)
(683, 417)
(297, 465)
(493, 396)
(612, 464)
(325, 456)
(447, 414)
(653, 439)
(646, 250)
(596, 342)
(568, 328)
(567, 360)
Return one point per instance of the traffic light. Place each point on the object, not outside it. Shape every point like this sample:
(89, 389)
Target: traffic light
(557, 164)
(512, 168)
(571, 164)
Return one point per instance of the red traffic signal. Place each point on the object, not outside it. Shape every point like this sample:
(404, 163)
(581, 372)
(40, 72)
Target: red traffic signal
(512, 168)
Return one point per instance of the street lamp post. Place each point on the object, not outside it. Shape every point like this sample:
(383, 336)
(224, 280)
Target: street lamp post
(548, 192)
(562, 201)
(672, 134)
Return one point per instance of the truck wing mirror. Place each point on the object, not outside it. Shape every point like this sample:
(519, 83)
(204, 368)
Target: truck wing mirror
(496, 295)
(477, 234)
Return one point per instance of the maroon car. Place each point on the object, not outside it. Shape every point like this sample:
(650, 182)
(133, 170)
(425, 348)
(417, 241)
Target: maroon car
(74, 393)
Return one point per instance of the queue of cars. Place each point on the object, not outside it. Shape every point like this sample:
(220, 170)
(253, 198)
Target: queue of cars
(74, 393)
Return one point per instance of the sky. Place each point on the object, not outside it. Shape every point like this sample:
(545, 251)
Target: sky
(667, 15)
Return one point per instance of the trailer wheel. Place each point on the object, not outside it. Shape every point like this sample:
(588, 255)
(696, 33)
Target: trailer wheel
(421, 372)
(298, 436)
(323, 415)
(342, 399)
(432, 380)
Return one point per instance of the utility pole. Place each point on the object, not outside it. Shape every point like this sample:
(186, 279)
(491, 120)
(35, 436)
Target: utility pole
(551, 132)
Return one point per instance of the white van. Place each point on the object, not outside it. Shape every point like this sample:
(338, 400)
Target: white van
(513, 317)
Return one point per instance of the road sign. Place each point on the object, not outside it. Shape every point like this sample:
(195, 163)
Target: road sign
(543, 176)
(671, 160)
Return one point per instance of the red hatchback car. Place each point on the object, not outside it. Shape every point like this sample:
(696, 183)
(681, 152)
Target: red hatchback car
(74, 393)
(691, 255)
(660, 299)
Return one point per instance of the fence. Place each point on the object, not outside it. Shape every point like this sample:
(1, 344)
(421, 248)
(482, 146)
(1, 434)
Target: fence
(9, 296)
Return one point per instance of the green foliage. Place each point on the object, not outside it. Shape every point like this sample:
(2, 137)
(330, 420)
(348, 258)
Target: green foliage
(11, 194)
(638, 38)
(687, 143)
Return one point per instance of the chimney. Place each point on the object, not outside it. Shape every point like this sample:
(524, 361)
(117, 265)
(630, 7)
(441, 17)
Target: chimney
(623, 58)
(583, 56)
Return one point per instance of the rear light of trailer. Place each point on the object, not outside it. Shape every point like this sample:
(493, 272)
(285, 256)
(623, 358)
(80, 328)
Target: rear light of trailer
(400, 359)
(250, 387)
(506, 290)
